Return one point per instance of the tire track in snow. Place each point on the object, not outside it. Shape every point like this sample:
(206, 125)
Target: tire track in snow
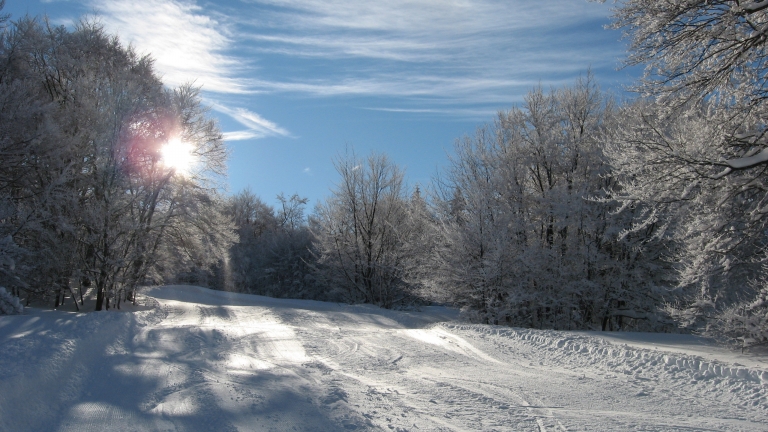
(545, 415)
(397, 391)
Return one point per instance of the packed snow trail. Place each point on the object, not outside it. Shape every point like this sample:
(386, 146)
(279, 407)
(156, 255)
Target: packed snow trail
(205, 360)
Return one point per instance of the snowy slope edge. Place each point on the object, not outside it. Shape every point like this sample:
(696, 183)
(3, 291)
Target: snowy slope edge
(581, 350)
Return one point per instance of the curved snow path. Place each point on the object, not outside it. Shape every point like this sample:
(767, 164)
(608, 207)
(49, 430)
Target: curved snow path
(205, 360)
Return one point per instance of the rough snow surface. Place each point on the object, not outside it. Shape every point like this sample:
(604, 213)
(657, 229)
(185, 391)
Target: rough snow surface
(204, 360)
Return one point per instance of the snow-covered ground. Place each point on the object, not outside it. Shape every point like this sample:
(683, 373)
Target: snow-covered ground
(200, 360)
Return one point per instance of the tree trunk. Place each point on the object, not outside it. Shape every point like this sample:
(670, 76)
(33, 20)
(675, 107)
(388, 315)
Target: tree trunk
(74, 299)
(99, 297)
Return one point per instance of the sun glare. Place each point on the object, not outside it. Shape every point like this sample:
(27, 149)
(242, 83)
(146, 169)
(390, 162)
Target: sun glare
(177, 155)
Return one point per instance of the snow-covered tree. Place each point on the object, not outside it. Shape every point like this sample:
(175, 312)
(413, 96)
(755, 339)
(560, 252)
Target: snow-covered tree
(695, 151)
(9, 304)
(713, 217)
(273, 256)
(88, 184)
(526, 238)
(361, 232)
(420, 235)
(37, 164)
(696, 49)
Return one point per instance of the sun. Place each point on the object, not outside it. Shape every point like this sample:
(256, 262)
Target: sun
(177, 155)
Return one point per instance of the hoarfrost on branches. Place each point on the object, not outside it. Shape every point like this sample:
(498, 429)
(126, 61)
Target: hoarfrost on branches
(9, 304)
(694, 151)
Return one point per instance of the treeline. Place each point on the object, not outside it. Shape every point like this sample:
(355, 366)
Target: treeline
(568, 212)
(524, 228)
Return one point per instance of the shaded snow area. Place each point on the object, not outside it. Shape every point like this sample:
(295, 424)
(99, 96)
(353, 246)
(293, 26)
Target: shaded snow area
(201, 360)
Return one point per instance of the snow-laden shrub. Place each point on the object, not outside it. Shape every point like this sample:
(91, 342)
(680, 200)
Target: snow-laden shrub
(9, 304)
(746, 323)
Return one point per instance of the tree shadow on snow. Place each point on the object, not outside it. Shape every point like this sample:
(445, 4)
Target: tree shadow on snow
(106, 373)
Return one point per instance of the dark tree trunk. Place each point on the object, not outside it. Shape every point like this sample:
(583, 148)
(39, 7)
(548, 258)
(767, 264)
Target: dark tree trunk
(74, 299)
(99, 297)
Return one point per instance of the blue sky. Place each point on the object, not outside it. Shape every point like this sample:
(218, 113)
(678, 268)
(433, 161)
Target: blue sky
(295, 82)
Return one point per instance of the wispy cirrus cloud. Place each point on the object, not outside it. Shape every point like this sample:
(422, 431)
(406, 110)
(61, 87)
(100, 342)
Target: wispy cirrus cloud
(441, 56)
(257, 126)
(454, 52)
(186, 41)
(241, 135)
(469, 113)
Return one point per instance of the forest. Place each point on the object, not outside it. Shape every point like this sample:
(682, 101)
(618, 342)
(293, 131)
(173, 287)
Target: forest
(572, 210)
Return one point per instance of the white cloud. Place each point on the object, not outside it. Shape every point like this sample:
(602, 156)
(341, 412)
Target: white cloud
(350, 47)
(241, 135)
(441, 56)
(480, 113)
(452, 16)
(468, 88)
(468, 51)
(187, 44)
(258, 126)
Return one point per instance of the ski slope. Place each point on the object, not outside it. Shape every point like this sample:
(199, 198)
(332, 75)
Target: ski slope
(202, 360)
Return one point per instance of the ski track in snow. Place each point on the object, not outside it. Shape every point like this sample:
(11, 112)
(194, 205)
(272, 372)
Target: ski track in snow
(203, 360)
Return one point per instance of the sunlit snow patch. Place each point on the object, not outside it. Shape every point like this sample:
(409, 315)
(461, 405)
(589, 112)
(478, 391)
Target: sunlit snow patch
(448, 341)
